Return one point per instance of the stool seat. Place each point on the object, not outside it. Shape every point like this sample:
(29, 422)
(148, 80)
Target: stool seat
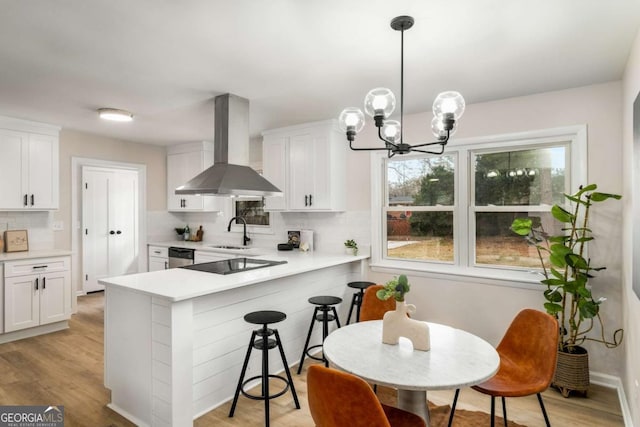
(264, 317)
(356, 300)
(360, 285)
(325, 300)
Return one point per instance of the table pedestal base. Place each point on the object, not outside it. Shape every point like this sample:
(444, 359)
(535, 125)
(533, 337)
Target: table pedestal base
(414, 401)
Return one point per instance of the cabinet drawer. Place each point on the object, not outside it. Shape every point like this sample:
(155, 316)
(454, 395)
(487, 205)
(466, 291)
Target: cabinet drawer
(36, 266)
(158, 251)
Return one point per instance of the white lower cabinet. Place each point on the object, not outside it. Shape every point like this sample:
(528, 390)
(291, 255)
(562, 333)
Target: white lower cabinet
(158, 258)
(41, 296)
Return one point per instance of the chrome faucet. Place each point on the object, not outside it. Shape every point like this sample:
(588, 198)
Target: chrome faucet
(245, 238)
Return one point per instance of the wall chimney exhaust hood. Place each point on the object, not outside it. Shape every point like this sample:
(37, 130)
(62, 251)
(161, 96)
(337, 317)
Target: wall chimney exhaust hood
(231, 144)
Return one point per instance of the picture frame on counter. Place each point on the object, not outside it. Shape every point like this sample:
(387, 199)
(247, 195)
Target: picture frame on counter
(16, 241)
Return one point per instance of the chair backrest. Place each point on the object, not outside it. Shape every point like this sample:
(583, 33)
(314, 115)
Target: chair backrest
(373, 308)
(339, 399)
(531, 342)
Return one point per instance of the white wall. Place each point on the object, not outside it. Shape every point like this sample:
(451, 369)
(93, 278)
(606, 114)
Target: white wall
(631, 303)
(486, 309)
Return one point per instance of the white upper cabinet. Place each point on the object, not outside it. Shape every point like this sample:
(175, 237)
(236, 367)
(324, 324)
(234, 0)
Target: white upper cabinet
(184, 162)
(28, 166)
(308, 163)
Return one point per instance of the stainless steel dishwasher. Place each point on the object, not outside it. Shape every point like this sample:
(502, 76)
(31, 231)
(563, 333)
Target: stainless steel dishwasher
(180, 256)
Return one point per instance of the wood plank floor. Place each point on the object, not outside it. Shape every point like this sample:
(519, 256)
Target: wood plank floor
(66, 368)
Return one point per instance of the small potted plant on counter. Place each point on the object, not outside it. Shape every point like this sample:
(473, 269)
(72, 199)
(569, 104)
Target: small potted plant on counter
(567, 270)
(351, 247)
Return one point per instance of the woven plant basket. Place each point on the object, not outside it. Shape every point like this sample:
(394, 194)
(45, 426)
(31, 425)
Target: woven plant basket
(572, 372)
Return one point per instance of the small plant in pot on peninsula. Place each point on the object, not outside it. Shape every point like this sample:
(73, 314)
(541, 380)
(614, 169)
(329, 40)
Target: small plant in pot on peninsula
(566, 270)
(396, 288)
(352, 245)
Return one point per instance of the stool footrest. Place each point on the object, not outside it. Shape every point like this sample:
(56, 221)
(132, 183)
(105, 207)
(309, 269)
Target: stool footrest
(261, 397)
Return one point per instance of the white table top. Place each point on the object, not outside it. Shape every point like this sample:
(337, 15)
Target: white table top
(456, 359)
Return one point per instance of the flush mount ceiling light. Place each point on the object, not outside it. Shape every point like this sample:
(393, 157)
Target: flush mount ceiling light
(115, 114)
(380, 103)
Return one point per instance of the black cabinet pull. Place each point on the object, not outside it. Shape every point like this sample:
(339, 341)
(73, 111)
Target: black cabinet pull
(37, 283)
(118, 232)
(112, 232)
(305, 200)
(25, 200)
(310, 200)
(166, 265)
(33, 200)
(44, 283)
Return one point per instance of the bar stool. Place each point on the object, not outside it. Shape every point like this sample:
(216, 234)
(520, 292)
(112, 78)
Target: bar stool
(264, 343)
(324, 304)
(356, 301)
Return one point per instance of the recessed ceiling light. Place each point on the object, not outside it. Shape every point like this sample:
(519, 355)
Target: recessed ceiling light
(115, 114)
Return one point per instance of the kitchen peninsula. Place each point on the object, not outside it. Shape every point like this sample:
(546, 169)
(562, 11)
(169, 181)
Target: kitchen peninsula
(175, 339)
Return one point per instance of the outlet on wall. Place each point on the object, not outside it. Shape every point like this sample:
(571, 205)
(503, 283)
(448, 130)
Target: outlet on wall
(58, 225)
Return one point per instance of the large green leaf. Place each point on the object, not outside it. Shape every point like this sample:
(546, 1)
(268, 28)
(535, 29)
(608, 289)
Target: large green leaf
(588, 309)
(557, 273)
(552, 295)
(576, 261)
(521, 226)
(560, 214)
(552, 308)
(599, 197)
(584, 188)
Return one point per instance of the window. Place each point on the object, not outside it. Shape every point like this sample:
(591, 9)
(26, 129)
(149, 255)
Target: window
(252, 210)
(453, 212)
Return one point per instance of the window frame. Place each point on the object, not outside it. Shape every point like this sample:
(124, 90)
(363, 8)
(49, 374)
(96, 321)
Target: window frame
(463, 267)
(252, 228)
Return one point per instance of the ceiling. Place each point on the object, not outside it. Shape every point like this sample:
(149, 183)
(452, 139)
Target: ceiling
(295, 60)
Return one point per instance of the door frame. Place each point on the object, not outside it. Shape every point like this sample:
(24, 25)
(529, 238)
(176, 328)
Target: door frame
(76, 215)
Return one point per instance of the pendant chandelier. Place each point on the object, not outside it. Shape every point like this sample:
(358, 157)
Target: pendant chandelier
(380, 103)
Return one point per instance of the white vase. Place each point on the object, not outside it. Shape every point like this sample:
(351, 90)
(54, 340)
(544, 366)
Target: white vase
(350, 251)
(397, 323)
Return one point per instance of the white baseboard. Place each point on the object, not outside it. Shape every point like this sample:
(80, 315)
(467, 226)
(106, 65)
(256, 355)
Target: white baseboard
(611, 381)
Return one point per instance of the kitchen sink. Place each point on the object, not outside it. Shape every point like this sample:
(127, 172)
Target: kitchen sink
(242, 248)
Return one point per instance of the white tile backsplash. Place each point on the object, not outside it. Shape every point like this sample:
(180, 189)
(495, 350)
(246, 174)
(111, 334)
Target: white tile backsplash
(38, 225)
(330, 229)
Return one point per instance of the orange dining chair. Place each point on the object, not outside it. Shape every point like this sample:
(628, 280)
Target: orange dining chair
(373, 308)
(528, 353)
(339, 399)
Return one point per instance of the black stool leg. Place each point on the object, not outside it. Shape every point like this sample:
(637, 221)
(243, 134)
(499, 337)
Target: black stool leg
(244, 370)
(354, 302)
(360, 298)
(286, 369)
(265, 373)
(453, 407)
(335, 314)
(493, 411)
(306, 344)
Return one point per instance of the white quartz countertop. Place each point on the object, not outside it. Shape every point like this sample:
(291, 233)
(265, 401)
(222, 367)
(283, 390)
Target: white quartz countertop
(210, 247)
(17, 256)
(179, 284)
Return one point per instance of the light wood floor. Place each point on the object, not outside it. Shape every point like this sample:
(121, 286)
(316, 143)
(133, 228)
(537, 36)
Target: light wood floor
(66, 368)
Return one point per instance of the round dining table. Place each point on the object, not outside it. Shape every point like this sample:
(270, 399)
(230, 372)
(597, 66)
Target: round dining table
(456, 359)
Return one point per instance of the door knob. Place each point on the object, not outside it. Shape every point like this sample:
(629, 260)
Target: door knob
(112, 232)
(118, 232)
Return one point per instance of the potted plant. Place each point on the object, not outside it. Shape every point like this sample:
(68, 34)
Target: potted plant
(351, 247)
(567, 270)
(396, 288)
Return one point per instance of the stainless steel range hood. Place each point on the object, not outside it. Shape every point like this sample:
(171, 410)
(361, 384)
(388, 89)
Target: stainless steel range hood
(231, 144)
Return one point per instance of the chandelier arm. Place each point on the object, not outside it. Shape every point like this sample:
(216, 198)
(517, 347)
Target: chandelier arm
(365, 149)
(443, 142)
(430, 152)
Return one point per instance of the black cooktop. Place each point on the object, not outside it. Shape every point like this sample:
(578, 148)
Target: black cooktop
(234, 265)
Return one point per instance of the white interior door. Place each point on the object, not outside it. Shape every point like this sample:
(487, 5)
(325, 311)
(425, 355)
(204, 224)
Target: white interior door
(110, 218)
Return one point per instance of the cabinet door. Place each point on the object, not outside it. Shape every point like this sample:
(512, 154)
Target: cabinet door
(301, 172)
(274, 167)
(42, 154)
(157, 264)
(21, 302)
(54, 293)
(11, 166)
(181, 168)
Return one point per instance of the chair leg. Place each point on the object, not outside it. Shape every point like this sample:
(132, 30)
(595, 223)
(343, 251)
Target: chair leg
(353, 303)
(265, 374)
(306, 343)
(359, 303)
(544, 412)
(453, 407)
(335, 313)
(493, 411)
(504, 411)
(242, 373)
